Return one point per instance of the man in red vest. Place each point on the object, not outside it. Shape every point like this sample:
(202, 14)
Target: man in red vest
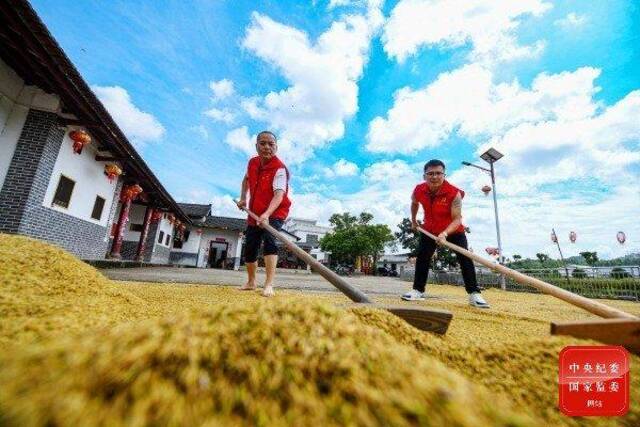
(267, 181)
(442, 205)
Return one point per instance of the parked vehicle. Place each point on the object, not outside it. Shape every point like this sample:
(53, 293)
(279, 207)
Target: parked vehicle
(387, 272)
(344, 270)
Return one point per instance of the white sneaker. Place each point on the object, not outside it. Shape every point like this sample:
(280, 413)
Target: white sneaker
(413, 295)
(476, 300)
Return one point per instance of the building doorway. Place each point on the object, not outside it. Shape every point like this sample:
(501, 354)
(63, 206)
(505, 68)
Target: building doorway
(218, 254)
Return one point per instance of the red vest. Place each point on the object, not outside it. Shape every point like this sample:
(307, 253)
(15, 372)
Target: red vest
(261, 188)
(437, 209)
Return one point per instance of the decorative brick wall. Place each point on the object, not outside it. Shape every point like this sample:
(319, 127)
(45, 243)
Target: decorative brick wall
(160, 255)
(25, 186)
(183, 258)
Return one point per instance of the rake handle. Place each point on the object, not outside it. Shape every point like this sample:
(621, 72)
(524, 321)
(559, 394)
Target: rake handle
(350, 291)
(591, 306)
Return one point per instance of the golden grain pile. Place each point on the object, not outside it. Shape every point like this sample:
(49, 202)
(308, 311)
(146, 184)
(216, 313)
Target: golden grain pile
(77, 349)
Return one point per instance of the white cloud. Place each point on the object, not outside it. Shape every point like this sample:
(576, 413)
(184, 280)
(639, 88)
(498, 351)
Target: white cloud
(225, 206)
(239, 139)
(571, 21)
(323, 75)
(140, 127)
(220, 115)
(488, 25)
(200, 130)
(221, 89)
(342, 168)
(468, 102)
(526, 219)
(339, 3)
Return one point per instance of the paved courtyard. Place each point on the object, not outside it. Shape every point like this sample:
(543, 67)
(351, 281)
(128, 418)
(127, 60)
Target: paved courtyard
(284, 279)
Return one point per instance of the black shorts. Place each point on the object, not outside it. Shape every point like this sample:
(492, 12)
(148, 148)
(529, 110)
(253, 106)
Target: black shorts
(254, 237)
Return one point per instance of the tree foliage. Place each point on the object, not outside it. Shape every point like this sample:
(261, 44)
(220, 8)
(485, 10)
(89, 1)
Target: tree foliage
(591, 258)
(354, 236)
(408, 238)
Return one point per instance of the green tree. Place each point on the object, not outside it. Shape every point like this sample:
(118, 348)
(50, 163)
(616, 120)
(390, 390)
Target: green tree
(408, 238)
(444, 258)
(590, 257)
(354, 236)
(342, 221)
(517, 257)
(542, 257)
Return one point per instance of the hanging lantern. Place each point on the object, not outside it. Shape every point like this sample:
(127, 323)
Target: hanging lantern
(621, 237)
(486, 190)
(112, 171)
(157, 215)
(171, 218)
(199, 231)
(492, 251)
(573, 236)
(80, 139)
(554, 238)
(130, 192)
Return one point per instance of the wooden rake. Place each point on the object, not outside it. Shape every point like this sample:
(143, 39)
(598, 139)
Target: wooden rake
(431, 320)
(618, 328)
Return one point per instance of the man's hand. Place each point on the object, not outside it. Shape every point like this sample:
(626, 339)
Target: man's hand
(414, 225)
(242, 204)
(442, 237)
(264, 219)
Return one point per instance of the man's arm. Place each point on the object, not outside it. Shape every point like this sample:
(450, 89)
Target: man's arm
(414, 212)
(278, 195)
(456, 214)
(242, 203)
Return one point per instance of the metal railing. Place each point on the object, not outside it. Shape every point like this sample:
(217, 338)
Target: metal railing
(620, 282)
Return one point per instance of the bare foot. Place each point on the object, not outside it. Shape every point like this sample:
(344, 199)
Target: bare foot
(248, 287)
(268, 291)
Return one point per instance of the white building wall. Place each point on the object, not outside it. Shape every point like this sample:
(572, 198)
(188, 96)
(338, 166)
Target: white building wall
(192, 245)
(136, 216)
(15, 101)
(166, 227)
(210, 235)
(90, 181)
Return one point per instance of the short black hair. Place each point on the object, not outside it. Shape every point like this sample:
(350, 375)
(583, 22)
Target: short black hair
(434, 163)
(267, 132)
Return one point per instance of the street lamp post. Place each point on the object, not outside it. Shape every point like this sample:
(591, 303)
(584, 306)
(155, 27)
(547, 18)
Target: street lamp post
(491, 156)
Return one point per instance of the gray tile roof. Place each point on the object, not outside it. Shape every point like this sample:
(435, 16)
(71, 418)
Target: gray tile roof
(226, 223)
(195, 210)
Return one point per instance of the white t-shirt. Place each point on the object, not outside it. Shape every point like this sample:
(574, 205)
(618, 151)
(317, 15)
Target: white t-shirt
(280, 180)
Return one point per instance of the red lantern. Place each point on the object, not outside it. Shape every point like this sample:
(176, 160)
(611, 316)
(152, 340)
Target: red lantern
(171, 218)
(492, 251)
(573, 236)
(554, 238)
(130, 192)
(157, 215)
(621, 237)
(112, 171)
(80, 139)
(486, 190)
(199, 231)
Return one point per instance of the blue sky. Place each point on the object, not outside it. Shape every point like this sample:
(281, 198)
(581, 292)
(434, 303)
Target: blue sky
(363, 92)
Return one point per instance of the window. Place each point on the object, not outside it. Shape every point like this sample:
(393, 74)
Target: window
(161, 237)
(168, 239)
(135, 227)
(63, 192)
(186, 235)
(98, 206)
